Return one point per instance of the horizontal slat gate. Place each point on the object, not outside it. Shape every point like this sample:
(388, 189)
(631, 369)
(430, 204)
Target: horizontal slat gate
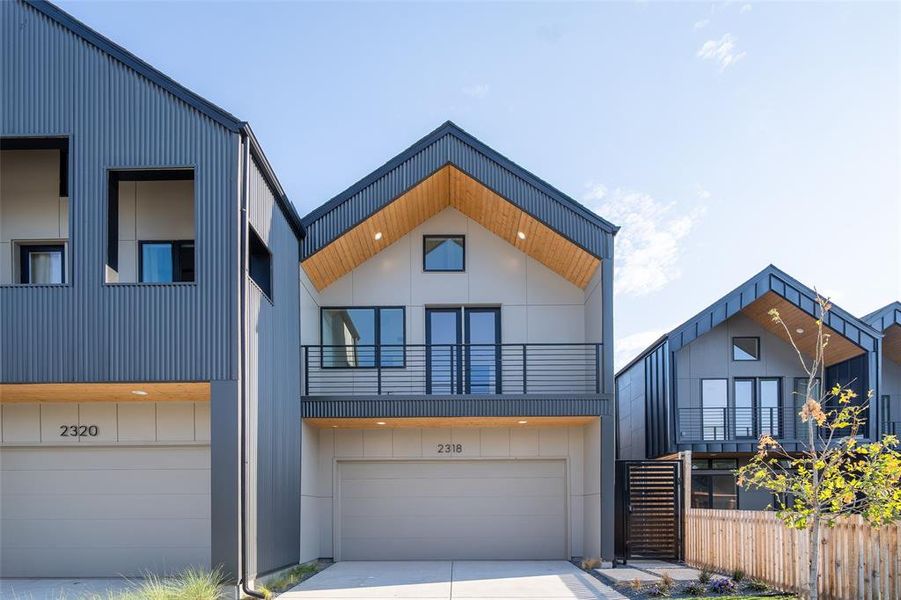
(653, 514)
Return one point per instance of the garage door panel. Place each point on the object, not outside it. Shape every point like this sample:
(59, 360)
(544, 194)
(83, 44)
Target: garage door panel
(460, 509)
(120, 506)
(93, 481)
(129, 458)
(100, 562)
(103, 533)
(459, 506)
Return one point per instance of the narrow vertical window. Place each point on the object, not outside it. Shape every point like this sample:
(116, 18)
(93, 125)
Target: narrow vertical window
(260, 266)
(770, 401)
(714, 405)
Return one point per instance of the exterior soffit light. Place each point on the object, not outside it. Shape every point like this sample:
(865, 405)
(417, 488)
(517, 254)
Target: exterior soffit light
(799, 330)
(139, 392)
(523, 422)
(380, 423)
(521, 235)
(378, 235)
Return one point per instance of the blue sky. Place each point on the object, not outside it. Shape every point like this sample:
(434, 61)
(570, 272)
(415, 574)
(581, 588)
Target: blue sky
(722, 137)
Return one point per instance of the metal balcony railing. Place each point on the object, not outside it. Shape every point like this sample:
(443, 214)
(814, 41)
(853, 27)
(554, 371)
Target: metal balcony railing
(891, 427)
(452, 369)
(703, 425)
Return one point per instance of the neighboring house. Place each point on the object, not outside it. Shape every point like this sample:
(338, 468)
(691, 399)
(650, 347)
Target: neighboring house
(436, 381)
(141, 307)
(457, 402)
(888, 321)
(717, 382)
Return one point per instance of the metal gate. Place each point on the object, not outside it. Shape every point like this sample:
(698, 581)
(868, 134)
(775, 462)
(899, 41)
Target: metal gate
(650, 509)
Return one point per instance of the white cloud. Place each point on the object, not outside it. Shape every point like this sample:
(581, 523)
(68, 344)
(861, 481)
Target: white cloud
(745, 8)
(649, 244)
(703, 194)
(723, 51)
(629, 346)
(702, 24)
(478, 90)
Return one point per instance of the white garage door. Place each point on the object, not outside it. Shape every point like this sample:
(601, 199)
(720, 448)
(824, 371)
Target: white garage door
(103, 511)
(442, 510)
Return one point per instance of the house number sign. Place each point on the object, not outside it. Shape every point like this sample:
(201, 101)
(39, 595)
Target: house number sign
(78, 431)
(450, 448)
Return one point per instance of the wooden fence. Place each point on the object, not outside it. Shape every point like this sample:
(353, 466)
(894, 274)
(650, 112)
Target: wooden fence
(856, 561)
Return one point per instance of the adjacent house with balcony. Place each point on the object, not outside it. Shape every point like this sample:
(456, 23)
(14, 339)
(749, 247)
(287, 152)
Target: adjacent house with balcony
(717, 382)
(149, 319)
(457, 373)
(888, 321)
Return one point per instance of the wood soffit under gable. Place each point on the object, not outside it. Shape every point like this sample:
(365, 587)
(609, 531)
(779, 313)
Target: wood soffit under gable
(450, 187)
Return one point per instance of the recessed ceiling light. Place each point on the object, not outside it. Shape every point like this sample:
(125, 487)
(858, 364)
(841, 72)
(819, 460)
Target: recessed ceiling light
(799, 330)
(380, 423)
(521, 235)
(334, 427)
(523, 422)
(378, 235)
(139, 392)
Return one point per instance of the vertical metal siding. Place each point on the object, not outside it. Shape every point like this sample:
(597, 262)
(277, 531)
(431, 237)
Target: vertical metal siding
(449, 149)
(274, 388)
(55, 83)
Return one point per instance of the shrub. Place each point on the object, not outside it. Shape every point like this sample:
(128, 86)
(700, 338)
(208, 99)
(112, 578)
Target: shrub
(695, 588)
(755, 585)
(738, 575)
(636, 584)
(667, 581)
(722, 585)
(590, 564)
(659, 590)
(705, 576)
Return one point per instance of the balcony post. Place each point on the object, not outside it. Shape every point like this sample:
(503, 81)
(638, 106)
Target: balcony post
(378, 367)
(597, 368)
(525, 371)
(306, 370)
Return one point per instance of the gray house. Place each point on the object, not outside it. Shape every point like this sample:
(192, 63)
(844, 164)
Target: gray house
(149, 319)
(888, 320)
(717, 382)
(191, 375)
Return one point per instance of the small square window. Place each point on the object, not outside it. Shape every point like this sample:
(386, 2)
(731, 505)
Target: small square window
(443, 253)
(166, 261)
(42, 263)
(745, 348)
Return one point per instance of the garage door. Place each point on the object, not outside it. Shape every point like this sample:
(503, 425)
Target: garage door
(504, 509)
(103, 511)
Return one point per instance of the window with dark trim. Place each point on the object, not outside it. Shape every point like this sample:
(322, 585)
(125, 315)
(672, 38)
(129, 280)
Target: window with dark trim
(769, 406)
(714, 406)
(165, 261)
(260, 263)
(444, 253)
(42, 263)
(363, 337)
(745, 348)
(714, 490)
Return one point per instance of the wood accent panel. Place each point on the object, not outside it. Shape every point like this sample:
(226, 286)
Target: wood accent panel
(891, 343)
(104, 392)
(433, 422)
(449, 187)
(838, 349)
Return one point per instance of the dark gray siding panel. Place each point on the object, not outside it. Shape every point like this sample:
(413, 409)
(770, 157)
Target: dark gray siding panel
(450, 145)
(55, 83)
(630, 413)
(462, 406)
(274, 387)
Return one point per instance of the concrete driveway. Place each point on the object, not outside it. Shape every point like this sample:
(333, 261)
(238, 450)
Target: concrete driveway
(550, 580)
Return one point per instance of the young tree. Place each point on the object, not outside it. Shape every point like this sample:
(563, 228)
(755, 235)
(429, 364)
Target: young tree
(834, 474)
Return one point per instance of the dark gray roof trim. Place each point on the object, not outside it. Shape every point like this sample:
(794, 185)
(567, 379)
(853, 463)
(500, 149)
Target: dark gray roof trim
(453, 406)
(771, 279)
(774, 280)
(448, 144)
(202, 105)
(885, 317)
(256, 153)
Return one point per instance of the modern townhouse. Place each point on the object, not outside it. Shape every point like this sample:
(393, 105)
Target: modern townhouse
(191, 375)
(887, 320)
(457, 402)
(717, 382)
(149, 319)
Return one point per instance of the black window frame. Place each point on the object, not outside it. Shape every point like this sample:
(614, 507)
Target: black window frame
(377, 335)
(780, 407)
(443, 236)
(26, 248)
(255, 241)
(709, 475)
(724, 408)
(754, 416)
(745, 337)
(176, 260)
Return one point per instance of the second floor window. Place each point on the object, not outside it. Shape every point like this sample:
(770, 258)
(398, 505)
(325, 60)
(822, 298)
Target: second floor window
(443, 253)
(166, 261)
(363, 337)
(745, 348)
(42, 263)
(714, 405)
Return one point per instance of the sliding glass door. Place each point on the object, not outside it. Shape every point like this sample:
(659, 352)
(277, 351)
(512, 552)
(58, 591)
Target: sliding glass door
(463, 353)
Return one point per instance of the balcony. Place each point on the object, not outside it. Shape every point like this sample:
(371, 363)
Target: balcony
(744, 425)
(549, 370)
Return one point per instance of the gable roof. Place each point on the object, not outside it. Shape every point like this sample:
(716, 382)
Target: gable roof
(883, 318)
(200, 104)
(450, 145)
(770, 280)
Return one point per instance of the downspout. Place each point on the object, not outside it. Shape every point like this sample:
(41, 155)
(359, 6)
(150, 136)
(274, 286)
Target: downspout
(245, 190)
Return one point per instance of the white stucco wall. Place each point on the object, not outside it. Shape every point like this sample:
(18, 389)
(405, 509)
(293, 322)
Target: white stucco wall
(31, 208)
(579, 445)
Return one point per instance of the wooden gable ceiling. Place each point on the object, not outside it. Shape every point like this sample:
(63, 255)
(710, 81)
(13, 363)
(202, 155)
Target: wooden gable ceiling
(891, 343)
(450, 187)
(839, 347)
